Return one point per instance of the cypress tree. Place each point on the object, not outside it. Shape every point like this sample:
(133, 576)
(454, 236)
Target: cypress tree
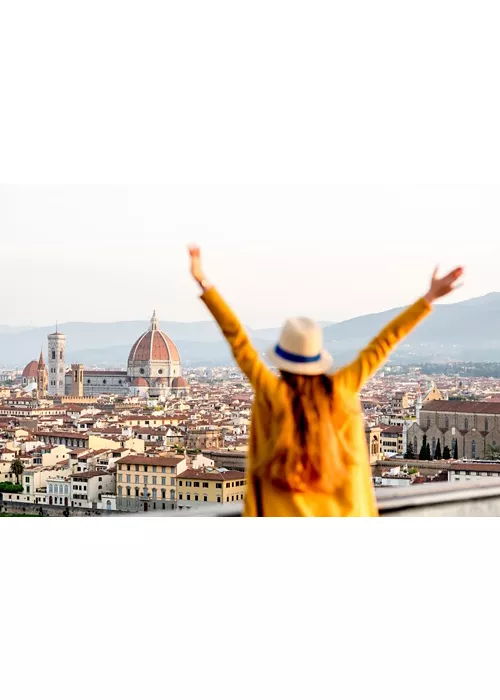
(446, 452)
(423, 449)
(437, 453)
(455, 450)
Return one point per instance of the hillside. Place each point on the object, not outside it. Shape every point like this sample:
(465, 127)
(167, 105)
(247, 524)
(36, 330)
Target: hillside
(468, 330)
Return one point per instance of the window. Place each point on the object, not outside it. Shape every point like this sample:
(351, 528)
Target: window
(154, 470)
(188, 497)
(128, 490)
(172, 495)
(473, 449)
(88, 381)
(232, 498)
(218, 486)
(163, 494)
(205, 484)
(486, 424)
(189, 483)
(428, 421)
(145, 479)
(163, 481)
(119, 477)
(136, 467)
(232, 485)
(128, 467)
(227, 498)
(104, 381)
(160, 371)
(218, 499)
(141, 370)
(164, 470)
(180, 497)
(119, 490)
(128, 478)
(466, 424)
(154, 479)
(205, 498)
(180, 483)
(195, 496)
(154, 494)
(137, 478)
(145, 468)
(137, 493)
(172, 470)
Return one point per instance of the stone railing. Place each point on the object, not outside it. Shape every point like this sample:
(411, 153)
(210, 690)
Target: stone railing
(480, 498)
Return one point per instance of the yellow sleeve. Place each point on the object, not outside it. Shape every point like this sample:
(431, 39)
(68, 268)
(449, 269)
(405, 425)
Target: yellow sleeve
(354, 375)
(247, 357)
(250, 501)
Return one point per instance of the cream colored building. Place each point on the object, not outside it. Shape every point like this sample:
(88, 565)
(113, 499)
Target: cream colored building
(147, 482)
(198, 486)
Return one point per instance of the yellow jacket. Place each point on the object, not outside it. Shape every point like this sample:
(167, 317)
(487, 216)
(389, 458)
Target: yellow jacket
(347, 419)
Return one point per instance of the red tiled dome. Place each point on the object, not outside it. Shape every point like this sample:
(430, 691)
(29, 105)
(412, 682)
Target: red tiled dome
(154, 346)
(140, 381)
(180, 382)
(31, 369)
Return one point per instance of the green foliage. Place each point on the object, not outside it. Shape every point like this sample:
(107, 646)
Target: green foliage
(413, 470)
(455, 450)
(17, 468)
(446, 452)
(409, 451)
(7, 487)
(428, 455)
(437, 453)
(423, 449)
(493, 452)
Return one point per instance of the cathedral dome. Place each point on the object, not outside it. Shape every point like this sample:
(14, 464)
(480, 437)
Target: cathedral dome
(154, 346)
(180, 383)
(140, 381)
(30, 370)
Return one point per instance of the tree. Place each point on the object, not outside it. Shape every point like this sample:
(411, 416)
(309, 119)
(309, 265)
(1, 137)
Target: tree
(409, 451)
(437, 453)
(493, 452)
(423, 449)
(17, 468)
(446, 452)
(455, 450)
(428, 455)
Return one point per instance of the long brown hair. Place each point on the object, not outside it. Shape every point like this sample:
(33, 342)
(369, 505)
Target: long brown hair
(304, 457)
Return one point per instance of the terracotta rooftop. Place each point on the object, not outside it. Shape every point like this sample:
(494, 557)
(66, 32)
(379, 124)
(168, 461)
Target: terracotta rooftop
(491, 407)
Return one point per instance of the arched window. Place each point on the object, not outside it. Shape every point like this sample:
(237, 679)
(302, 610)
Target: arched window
(473, 449)
(466, 424)
(154, 494)
(128, 490)
(415, 446)
(446, 422)
(172, 495)
(433, 446)
(119, 490)
(428, 421)
(486, 424)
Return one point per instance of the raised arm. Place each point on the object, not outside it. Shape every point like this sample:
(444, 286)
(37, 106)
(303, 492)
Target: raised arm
(354, 375)
(247, 357)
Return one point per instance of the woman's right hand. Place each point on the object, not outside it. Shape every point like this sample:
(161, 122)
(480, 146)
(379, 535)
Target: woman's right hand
(441, 286)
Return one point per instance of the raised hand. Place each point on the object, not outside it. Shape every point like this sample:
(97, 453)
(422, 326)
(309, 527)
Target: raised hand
(441, 286)
(195, 255)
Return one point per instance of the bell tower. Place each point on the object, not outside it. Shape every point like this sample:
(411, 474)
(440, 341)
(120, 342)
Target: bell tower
(77, 380)
(42, 377)
(57, 363)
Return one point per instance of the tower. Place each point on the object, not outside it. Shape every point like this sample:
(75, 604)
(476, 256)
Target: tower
(42, 377)
(76, 380)
(57, 363)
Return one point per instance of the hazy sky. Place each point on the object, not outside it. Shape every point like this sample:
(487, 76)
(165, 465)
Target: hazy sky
(110, 253)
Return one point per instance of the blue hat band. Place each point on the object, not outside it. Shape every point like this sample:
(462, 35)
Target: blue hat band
(292, 357)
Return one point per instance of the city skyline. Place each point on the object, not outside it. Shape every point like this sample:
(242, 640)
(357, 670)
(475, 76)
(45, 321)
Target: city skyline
(274, 251)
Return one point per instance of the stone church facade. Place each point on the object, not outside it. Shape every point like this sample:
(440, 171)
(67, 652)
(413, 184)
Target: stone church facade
(472, 425)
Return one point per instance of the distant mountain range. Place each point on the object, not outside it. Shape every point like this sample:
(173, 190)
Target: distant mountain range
(466, 331)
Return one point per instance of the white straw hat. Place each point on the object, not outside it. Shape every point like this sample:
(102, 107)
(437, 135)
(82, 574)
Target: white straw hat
(300, 348)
